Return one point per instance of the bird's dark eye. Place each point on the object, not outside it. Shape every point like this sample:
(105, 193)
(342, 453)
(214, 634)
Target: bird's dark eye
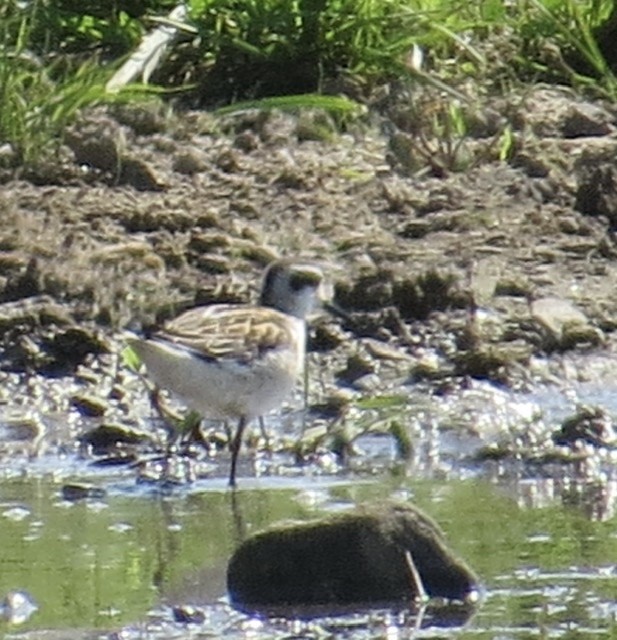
(296, 282)
(303, 279)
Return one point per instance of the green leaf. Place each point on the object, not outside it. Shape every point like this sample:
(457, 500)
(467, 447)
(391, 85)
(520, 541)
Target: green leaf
(334, 104)
(130, 358)
(506, 144)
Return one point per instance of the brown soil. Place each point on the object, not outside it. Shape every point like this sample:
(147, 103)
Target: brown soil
(150, 213)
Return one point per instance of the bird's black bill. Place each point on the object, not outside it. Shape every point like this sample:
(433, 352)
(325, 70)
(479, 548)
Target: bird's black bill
(335, 310)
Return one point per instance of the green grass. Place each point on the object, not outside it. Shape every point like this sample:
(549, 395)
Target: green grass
(39, 95)
(55, 60)
(35, 109)
(276, 47)
(570, 26)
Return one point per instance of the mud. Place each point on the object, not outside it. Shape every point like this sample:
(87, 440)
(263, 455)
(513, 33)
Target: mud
(498, 270)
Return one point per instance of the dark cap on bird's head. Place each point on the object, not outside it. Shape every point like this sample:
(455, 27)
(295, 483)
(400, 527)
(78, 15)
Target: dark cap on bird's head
(286, 276)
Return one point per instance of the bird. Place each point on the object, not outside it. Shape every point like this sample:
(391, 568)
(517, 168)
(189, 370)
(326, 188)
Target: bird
(234, 361)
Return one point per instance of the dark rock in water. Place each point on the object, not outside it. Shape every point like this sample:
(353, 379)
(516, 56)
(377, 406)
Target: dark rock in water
(106, 437)
(589, 424)
(74, 492)
(118, 460)
(365, 556)
(188, 614)
(89, 405)
(356, 368)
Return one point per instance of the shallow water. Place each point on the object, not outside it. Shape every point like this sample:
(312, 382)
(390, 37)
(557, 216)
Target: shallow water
(543, 543)
(122, 562)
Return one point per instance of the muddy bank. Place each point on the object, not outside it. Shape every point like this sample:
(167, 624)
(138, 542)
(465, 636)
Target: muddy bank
(502, 271)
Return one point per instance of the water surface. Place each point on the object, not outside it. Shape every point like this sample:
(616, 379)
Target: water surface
(122, 563)
(542, 539)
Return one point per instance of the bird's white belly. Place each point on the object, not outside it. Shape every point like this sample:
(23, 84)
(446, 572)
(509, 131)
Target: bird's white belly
(222, 389)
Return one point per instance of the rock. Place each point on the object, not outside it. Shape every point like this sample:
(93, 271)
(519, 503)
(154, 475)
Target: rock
(592, 425)
(491, 361)
(554, 313)
(191, 161)
(357, 367)
(74, 492)
(89, 405)
(140, 175)
(534, 165)
(586, 119)
(107, 436)
(21, 428)
(188, 614)
(69, 346)
(207, 241)
(121, 459)
(364, 556)
(213, 264)
(384, 352)
(563, 324)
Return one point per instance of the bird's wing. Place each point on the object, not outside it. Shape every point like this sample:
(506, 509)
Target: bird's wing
(229, 332)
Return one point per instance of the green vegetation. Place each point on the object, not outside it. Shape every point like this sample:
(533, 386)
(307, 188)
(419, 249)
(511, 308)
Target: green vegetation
(41, 90)
(56, 56)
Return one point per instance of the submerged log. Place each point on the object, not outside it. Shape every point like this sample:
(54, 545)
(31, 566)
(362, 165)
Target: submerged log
(382, 553)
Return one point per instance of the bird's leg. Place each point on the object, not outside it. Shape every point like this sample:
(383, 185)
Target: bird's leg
(264, 433)
(166, 416)
(235, 449)
(179, 428)
(227, 430)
